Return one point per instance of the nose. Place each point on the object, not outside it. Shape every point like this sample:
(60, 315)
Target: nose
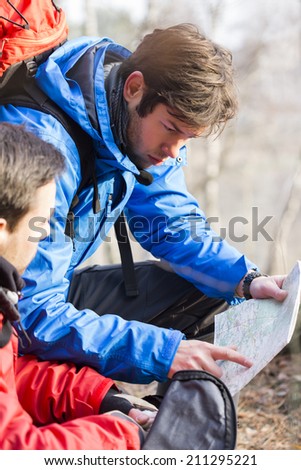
(172, 150)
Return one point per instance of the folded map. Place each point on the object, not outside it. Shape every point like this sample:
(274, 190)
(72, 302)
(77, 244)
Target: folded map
(260, 329)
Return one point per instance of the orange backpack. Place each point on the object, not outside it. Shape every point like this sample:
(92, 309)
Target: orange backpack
(28, 28)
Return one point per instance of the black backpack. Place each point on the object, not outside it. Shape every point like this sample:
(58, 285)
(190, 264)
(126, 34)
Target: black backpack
(197, 413)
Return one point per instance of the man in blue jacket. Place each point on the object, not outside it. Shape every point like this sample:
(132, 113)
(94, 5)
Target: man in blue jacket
(139, 110)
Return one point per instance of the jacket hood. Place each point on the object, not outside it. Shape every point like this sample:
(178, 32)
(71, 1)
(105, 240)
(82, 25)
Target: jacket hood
(65, 78)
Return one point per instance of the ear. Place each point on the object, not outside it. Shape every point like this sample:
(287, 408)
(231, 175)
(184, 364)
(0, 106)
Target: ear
(134, 87)
(4, 233)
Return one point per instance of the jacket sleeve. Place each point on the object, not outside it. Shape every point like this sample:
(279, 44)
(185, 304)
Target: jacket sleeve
(127, 351)
(174, 228)
(19, 432)
(57, 392)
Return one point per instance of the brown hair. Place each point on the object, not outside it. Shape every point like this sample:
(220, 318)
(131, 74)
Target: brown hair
(189, 73)
(26, 164)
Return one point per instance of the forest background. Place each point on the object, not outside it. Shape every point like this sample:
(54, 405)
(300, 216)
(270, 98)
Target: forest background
(248, 180)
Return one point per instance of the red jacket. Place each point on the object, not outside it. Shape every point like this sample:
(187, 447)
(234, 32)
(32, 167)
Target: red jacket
(47, 406)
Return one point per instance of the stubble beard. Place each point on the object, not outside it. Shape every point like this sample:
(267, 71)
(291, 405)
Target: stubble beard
(133, 140)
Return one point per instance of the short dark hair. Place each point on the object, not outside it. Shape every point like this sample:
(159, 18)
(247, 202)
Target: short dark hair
(26, 163)
(189, 73)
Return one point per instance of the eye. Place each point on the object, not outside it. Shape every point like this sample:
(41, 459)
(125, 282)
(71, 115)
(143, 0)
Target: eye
(169, 129)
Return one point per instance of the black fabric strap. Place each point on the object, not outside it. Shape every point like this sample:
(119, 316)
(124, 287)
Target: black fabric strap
(128, 269)
(11, 284)
(5, 333)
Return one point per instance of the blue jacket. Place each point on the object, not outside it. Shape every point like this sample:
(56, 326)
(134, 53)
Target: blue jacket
(172, 228)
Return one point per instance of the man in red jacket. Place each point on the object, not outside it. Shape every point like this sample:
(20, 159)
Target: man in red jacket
(45, 405)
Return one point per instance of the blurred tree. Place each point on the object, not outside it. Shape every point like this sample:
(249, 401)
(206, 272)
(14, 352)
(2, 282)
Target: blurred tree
(90, 27)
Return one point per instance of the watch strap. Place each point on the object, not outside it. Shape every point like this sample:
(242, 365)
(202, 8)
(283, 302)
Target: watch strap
(247, 282)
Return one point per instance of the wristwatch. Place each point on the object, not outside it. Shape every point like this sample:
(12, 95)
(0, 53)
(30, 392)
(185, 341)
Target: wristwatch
(247, 282)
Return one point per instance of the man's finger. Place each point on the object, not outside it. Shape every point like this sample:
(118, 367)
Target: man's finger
(230, 354)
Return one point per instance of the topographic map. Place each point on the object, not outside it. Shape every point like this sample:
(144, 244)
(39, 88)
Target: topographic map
(260, 329)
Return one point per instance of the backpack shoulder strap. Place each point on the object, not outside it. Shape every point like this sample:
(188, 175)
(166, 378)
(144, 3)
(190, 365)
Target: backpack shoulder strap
(21, 90)
(127, 262)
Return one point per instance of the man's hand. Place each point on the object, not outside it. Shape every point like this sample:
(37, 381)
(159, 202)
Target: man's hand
(200, 355)
(144, 418)
(268, 288)
(265, 287)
